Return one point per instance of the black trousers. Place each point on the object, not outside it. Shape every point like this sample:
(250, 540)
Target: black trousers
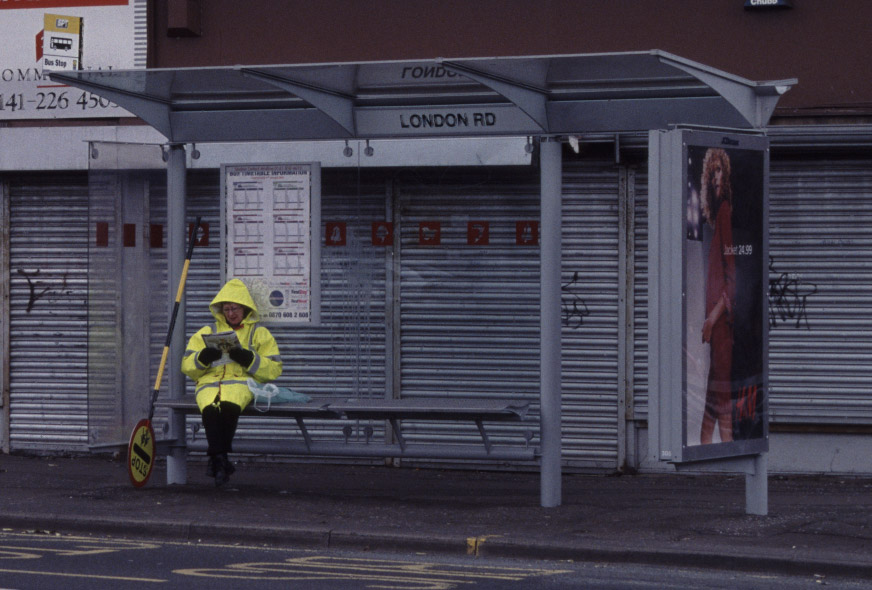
(220, 423)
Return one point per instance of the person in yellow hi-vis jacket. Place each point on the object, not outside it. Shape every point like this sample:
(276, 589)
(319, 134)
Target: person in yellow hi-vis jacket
(222, 391)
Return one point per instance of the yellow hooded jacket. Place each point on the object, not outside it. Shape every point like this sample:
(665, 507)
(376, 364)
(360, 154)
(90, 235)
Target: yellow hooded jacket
(228, 382)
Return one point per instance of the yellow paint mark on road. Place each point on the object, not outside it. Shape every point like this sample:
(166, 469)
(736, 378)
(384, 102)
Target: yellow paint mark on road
(88, 576)
(17, 554)
(95, 548)
(396, 575)
(473, 544)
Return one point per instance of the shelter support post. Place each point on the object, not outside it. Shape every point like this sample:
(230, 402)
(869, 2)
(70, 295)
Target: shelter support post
(757, 486)
(551, 184)
(756, 470)
(176, 238)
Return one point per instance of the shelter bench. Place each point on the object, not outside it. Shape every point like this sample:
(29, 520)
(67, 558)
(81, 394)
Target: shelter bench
(393, 411)
(315, 409)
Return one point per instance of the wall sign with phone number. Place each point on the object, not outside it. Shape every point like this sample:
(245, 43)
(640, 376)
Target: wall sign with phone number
(23, 100)
(51, 100)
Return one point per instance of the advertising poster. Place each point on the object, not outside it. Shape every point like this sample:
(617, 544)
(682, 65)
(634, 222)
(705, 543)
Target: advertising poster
(725, 282)
(41, 36)
(268, 210)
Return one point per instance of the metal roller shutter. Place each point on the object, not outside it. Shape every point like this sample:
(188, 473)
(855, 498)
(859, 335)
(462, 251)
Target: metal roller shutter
(820, 304)
(469, 313)
(640, 299)
(48, 312)
(590, 313)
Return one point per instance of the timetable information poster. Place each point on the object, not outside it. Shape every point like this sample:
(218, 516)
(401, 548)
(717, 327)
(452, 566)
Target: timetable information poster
(268, 245)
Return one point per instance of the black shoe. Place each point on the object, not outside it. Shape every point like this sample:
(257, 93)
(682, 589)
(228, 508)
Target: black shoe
(228, 466)
(221, 475)
(210, 467)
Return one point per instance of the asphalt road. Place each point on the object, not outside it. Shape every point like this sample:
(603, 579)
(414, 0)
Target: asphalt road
(52, 561)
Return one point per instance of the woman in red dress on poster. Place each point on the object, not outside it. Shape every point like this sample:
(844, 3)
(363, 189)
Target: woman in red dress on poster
(720, 294)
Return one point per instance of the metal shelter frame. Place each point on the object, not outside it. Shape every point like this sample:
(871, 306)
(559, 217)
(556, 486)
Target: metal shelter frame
(546, 97)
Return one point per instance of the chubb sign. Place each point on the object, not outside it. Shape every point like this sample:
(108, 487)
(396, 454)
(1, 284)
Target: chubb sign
(768, 4)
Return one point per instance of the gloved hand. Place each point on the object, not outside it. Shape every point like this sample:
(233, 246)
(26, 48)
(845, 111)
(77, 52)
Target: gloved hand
(241, 356)
(208, 355)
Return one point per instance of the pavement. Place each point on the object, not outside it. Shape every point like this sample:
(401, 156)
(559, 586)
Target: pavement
(816, 524)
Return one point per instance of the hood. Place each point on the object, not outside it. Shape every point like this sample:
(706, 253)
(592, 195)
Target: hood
(234, 291)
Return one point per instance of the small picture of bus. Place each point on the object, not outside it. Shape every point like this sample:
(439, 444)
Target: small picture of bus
(61, 43)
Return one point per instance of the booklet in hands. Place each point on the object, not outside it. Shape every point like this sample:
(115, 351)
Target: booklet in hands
(223, 341)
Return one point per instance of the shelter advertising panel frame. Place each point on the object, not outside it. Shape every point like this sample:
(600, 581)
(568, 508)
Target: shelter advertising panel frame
(695, 360)
(280, 300)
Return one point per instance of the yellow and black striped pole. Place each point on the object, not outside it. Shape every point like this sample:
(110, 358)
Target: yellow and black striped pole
(141, 449)
(179, 292)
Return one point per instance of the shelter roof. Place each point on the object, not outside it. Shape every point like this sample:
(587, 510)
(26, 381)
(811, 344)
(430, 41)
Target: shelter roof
(536, 96)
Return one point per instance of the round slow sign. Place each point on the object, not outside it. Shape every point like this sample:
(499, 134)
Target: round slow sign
(140, 453)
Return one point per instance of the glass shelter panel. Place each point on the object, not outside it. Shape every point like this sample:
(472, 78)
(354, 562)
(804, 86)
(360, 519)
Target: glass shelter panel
(122, 243)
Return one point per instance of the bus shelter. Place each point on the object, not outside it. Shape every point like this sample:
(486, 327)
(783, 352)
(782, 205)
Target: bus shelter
(548, 99)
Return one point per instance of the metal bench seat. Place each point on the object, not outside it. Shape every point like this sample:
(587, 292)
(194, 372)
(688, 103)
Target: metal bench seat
(392, 410)
(436, 408)
(315, 409)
